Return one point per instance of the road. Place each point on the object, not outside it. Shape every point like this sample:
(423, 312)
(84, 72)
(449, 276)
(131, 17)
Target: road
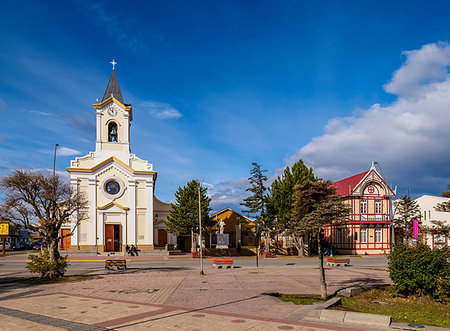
(14, 266)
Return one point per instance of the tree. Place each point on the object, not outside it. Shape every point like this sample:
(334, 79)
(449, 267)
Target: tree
(444, 206)
(42, 203)
(316, 206)
(183, 216)
(407, 210)
(446, 194)
(280, 201)
(256, 202)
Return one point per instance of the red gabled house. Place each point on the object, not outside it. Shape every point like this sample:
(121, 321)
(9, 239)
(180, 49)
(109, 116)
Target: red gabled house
(368, 227)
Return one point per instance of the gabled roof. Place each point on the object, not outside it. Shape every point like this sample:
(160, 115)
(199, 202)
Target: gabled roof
(113, 89)
(345, 186)
(228, 209)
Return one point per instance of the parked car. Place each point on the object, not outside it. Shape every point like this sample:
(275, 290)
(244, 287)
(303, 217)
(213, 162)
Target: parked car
(7, 246)
(38, 245)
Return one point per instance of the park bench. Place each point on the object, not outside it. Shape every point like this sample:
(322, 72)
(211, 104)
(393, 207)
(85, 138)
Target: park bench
(223, 264)
(116, 264)
(267, 254)
(337, 262)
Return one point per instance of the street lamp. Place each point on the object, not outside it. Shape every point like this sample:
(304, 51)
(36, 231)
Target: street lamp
(200, 231)
(54, 160)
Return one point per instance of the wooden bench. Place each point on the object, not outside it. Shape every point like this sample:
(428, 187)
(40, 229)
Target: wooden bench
(267, 254)
(337, 262)
(116, 264)
(223, 264)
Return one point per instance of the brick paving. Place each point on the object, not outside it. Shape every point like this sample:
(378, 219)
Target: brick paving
(168, 299)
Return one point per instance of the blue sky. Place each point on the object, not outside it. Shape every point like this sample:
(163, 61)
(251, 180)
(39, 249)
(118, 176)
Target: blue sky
(217, 85)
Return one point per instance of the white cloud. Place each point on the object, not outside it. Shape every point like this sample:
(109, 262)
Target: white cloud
(66, 151)
(422, 68)
(409, 138)
(42, 113)
(161, 110)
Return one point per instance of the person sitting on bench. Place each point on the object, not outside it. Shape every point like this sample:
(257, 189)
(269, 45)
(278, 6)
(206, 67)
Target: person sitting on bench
(133, 250)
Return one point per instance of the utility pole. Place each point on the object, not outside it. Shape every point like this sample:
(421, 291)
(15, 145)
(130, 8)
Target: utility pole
(200, 224)
(54, 160)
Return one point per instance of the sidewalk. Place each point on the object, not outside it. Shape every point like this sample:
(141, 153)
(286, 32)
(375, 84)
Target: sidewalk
(167, 299)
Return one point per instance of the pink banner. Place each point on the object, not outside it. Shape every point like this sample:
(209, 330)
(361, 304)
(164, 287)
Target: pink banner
(415, 229)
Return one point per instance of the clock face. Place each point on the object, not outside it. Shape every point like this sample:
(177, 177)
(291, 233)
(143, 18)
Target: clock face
(112, 187)
(112, 111)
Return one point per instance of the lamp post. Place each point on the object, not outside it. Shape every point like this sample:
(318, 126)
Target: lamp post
(200, 231)
(54, 160)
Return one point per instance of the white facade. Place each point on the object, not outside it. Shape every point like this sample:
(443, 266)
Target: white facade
(428, 213)
(119, 186)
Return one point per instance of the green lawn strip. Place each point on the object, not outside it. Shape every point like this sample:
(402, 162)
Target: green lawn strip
(413, 309)
(299, 299)
(45, 281)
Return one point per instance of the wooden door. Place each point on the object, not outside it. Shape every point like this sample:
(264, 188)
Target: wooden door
(162, 238)
(117, 241)
(65, 242)
(109, 238)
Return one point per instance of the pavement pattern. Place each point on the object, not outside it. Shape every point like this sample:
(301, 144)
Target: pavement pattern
(170, 298)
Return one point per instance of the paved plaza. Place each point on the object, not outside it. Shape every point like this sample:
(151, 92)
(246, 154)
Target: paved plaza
(169, 298)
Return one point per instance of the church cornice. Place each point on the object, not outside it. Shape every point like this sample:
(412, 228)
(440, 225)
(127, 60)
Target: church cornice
(128, 108)
(113, 159)
(112, 203)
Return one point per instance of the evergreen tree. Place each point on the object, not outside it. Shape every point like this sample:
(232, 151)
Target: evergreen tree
(256, 203)
(444, 206)
(446, 194)
(316, 206)
(183, 216)
(406, 210)
(280, 202)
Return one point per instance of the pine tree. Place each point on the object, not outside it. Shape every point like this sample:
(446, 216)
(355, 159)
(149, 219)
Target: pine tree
(183, 216)
(406, 210)
(280, 202)
(446, 194)
(316, 206)
(256, 203)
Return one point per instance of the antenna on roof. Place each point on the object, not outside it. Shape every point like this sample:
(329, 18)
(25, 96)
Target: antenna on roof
(379, 167)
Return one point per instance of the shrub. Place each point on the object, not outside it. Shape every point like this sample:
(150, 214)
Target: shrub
(420, 270)
(40, 263)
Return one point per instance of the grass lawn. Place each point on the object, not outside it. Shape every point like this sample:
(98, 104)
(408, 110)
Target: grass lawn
(299, 299)
(413, 309)
(44, 281)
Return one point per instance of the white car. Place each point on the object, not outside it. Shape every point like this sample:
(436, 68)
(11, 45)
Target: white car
(7, 246)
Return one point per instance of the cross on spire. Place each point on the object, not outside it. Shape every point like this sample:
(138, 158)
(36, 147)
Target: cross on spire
(113, 63)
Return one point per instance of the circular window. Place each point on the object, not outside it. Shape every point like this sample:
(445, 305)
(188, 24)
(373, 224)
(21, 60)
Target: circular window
(112, 187)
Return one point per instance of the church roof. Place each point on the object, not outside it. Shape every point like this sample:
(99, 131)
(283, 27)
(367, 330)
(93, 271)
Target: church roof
(113, 89)
(345, 186)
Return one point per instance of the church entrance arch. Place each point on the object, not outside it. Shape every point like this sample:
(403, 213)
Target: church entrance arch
(113, 239)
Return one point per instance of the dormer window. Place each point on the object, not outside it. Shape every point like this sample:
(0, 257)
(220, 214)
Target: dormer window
(112, 132)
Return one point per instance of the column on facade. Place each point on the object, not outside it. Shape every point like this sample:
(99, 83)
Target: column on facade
(126, 129)
(98, 138)
(132, 212)
(74, 217)
(101, 229)
(149, 214)
(92, 236)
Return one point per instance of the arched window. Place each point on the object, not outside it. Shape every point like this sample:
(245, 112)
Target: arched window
(112, 132)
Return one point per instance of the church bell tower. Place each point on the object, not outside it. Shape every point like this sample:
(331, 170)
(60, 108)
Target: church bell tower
(113, 122)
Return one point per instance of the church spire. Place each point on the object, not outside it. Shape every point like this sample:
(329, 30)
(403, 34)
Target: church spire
(113, 88)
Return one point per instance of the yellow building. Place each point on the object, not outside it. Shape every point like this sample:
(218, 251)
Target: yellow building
(120, 186)
(239, 227)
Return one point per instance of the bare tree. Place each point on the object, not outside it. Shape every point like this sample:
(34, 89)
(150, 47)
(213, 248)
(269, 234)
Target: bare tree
(42, 203)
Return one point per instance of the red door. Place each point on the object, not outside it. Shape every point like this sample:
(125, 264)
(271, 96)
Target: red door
(109, 238)
(162, 238)
(65, 242)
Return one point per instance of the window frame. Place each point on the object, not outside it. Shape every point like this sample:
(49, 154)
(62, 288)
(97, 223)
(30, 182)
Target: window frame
(378, 235)
(363, 235)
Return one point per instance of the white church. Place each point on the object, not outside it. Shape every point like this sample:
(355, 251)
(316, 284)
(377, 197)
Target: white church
(120, 187)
